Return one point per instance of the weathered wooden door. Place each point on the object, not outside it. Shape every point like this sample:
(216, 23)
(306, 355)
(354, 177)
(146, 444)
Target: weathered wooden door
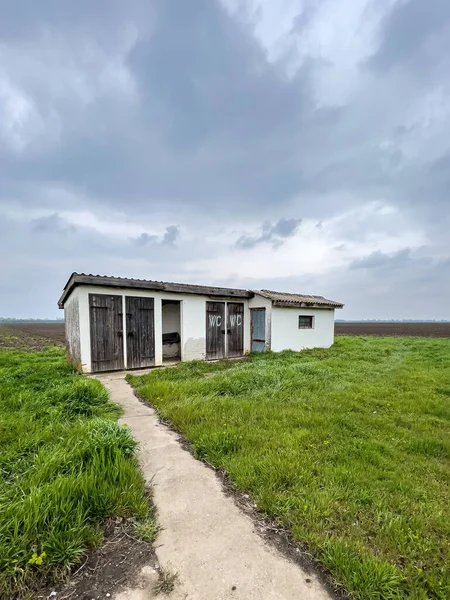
(235, 329)
(215, 330)
(258, 329)
(105, 312)
(140, 314)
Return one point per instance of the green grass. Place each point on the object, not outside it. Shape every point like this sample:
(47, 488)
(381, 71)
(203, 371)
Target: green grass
(147, 529)
(66, 465)
(348, 447)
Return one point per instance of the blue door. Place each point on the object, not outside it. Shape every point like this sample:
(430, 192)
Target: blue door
(258, 329)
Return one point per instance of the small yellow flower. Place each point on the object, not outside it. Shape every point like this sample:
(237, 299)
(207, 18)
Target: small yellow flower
(37, 559)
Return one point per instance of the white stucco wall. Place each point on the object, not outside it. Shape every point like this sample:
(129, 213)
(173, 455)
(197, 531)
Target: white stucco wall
(192, 326)
(72, 326)
(287, 336)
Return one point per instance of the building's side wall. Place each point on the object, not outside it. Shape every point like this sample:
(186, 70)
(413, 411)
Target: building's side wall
(261, 302)
(72, 326)
(287, 336)
(193, 322)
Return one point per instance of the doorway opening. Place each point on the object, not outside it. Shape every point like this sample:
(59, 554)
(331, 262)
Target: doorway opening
(171, 330)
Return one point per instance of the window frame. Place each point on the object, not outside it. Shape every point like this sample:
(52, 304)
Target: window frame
(312, 321)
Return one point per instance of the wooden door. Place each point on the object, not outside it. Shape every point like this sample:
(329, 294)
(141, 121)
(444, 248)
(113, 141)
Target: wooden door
(258, 329)
(140, 314)
(215, 330)
(235, 329)
(105, 312)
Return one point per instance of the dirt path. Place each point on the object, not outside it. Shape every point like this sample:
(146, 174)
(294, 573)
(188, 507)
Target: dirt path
(205, 538)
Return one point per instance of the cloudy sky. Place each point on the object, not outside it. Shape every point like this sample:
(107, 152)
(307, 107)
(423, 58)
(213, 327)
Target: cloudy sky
(296, 145)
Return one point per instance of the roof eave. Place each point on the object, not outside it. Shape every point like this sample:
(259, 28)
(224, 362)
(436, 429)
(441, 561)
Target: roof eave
(77, 279)
(282, 304)
(67, 290)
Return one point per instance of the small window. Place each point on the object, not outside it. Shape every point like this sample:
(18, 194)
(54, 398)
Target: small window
(305, 322)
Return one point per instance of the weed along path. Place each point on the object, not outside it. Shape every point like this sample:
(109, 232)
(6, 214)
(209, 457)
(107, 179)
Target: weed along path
(205, 538)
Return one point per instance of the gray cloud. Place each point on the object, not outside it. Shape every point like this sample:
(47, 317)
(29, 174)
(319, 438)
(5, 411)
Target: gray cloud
(157, 112)
(275, 234)
(402, 261)
(189, 119)
(145, 239)
(171, 235)
(378, 260)
(169, 238)
(406, 31)
(51, 224)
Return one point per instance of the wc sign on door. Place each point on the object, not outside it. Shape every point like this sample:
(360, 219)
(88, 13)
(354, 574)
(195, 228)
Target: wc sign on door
(225, 325)
(235, 320)
(215, 320)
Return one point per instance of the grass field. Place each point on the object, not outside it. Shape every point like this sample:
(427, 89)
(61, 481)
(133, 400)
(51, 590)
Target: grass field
(348, 447)
(65, 466)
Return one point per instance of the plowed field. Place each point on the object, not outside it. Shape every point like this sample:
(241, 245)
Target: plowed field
(435, 330)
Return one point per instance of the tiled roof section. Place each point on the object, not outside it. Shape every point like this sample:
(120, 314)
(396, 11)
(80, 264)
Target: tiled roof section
(298, 300)
(147, 284)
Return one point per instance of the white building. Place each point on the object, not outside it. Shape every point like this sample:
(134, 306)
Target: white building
(115, 323)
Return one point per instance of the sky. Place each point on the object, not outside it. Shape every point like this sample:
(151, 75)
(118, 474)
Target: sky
(298, 145)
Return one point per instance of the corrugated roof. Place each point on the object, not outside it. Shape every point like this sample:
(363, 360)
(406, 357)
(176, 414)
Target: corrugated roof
(278, 298)
(147, 284)
(298, 300)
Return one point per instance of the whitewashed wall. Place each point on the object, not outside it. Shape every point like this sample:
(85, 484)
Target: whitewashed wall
(193, 321)
(287, 336)
(72, 321)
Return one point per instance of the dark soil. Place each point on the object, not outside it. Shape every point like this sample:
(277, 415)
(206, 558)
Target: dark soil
(108, 569)
(29, 338)
(394, 329)
(49, 331)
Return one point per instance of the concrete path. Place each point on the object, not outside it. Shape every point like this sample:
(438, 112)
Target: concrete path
(205, 537)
